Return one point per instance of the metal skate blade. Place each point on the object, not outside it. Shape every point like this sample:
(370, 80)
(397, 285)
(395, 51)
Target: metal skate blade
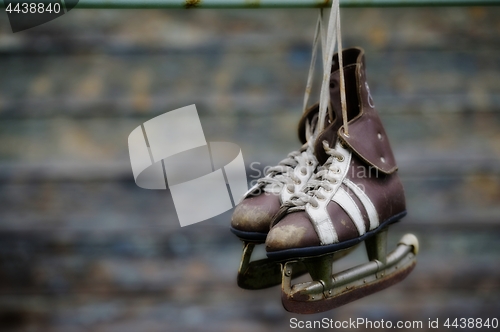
(265, 273)
(352, 284)
(262, 273)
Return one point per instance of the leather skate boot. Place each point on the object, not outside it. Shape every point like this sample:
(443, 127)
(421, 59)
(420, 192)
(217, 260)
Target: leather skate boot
(354, 196)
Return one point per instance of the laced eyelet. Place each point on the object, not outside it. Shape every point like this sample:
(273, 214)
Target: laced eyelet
(290, 192)
(340, 158)
(329, 189)
(303, 171)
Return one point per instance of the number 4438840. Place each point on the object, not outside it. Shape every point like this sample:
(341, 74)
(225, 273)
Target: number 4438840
(471, 323)
(33, 8)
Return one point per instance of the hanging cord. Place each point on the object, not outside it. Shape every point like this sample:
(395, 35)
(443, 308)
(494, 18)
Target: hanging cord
(327, 64)
(342, 80)
(319, 36)
(333, 35)
(310, 75)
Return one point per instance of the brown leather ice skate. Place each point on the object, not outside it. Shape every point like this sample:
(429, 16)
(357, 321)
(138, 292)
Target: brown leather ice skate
(354, 196)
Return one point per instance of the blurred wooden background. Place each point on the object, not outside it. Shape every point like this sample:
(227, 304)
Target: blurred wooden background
(82, 248)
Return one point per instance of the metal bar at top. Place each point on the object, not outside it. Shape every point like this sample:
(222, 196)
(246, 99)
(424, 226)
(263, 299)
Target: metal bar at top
(219, 4)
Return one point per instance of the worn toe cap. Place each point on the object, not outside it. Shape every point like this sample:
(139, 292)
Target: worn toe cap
(254, 214)
(293, 231)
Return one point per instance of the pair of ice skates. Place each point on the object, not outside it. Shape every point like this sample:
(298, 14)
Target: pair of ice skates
(339, 189)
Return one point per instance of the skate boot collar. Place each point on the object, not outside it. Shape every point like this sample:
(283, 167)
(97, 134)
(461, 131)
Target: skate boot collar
(366, 135)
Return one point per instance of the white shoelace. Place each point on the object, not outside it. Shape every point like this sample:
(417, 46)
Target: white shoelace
(283, 173)
(322, 179)
(319, 36)
(325, 175)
